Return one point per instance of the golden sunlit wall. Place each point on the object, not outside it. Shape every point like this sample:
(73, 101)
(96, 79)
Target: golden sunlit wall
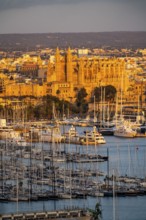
(87, 72)
(23, 89)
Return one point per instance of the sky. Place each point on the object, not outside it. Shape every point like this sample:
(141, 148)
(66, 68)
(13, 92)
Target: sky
(54, 16)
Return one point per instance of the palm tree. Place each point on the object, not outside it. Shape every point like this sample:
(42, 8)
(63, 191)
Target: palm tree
(97, 213)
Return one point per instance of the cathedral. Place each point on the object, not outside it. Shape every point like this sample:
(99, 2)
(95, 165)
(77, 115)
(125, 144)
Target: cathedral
(68, 73)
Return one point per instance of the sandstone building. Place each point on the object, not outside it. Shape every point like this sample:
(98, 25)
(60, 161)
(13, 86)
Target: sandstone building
(68, 73)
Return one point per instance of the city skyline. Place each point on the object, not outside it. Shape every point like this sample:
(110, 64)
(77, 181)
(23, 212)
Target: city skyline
(35, 16)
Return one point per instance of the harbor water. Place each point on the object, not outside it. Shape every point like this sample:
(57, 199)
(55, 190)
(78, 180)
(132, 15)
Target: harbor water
(127, 157)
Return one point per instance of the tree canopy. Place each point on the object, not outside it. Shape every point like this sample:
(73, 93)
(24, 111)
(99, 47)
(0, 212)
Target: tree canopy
(105, 92)
(81, 103)
(44, 110)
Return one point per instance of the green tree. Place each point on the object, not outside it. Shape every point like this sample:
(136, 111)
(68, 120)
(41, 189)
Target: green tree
(110, 93)
(97, 213)
(81, 95)
(81, 101)
(61, 106)
(1, 111)
(58, 92)
(30, 112)
(38, 112)
(97, 94)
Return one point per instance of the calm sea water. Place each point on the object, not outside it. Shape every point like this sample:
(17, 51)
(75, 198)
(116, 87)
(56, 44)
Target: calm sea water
(126, 157)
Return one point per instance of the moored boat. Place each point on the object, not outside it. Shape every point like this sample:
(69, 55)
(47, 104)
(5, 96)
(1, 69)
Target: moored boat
(123, 131)
(92, 137)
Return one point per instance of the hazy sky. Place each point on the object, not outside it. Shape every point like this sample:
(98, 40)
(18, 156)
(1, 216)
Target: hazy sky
(43, 16)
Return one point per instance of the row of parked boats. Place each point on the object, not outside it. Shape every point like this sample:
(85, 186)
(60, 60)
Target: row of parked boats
(88, 137)
(42, 177)
(46, 132)
(31, 173)
(118, 127)
(24, 136)
(20, 135)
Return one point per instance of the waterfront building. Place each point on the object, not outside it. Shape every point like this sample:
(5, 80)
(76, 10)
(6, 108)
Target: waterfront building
(68, 73)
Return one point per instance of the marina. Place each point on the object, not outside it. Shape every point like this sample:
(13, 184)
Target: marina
(72, 111)
(47, 176)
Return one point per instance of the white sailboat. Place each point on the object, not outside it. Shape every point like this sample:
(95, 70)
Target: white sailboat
(123, 129)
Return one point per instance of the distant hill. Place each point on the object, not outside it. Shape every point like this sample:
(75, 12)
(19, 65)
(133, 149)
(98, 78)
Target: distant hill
(27, 42)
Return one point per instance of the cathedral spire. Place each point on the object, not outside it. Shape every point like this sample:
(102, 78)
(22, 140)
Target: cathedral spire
(57, 51)
(69, 65)
(57, 55)
(69, 50)
(69, 55)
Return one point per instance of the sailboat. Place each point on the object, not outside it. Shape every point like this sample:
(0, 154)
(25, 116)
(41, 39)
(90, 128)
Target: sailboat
(123, 129)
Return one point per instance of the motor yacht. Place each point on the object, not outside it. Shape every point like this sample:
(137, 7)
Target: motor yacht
(93, 137)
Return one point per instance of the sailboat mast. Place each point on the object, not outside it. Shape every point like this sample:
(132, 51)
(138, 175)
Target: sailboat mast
(108, 168)
(114, 210)
(103, 119)
(94, 107)
(101, 108)
(122, 95)
(2, 171)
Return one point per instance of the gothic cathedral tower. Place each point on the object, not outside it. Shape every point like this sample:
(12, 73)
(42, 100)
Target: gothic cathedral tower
(57, 65)
(69, 66)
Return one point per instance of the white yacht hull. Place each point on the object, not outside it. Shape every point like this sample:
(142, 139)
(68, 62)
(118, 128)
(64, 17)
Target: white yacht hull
(124, 134)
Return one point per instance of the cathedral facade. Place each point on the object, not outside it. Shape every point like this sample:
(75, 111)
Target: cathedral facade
(68, 73)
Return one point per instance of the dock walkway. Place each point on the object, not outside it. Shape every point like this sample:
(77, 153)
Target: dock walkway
(45, 215)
